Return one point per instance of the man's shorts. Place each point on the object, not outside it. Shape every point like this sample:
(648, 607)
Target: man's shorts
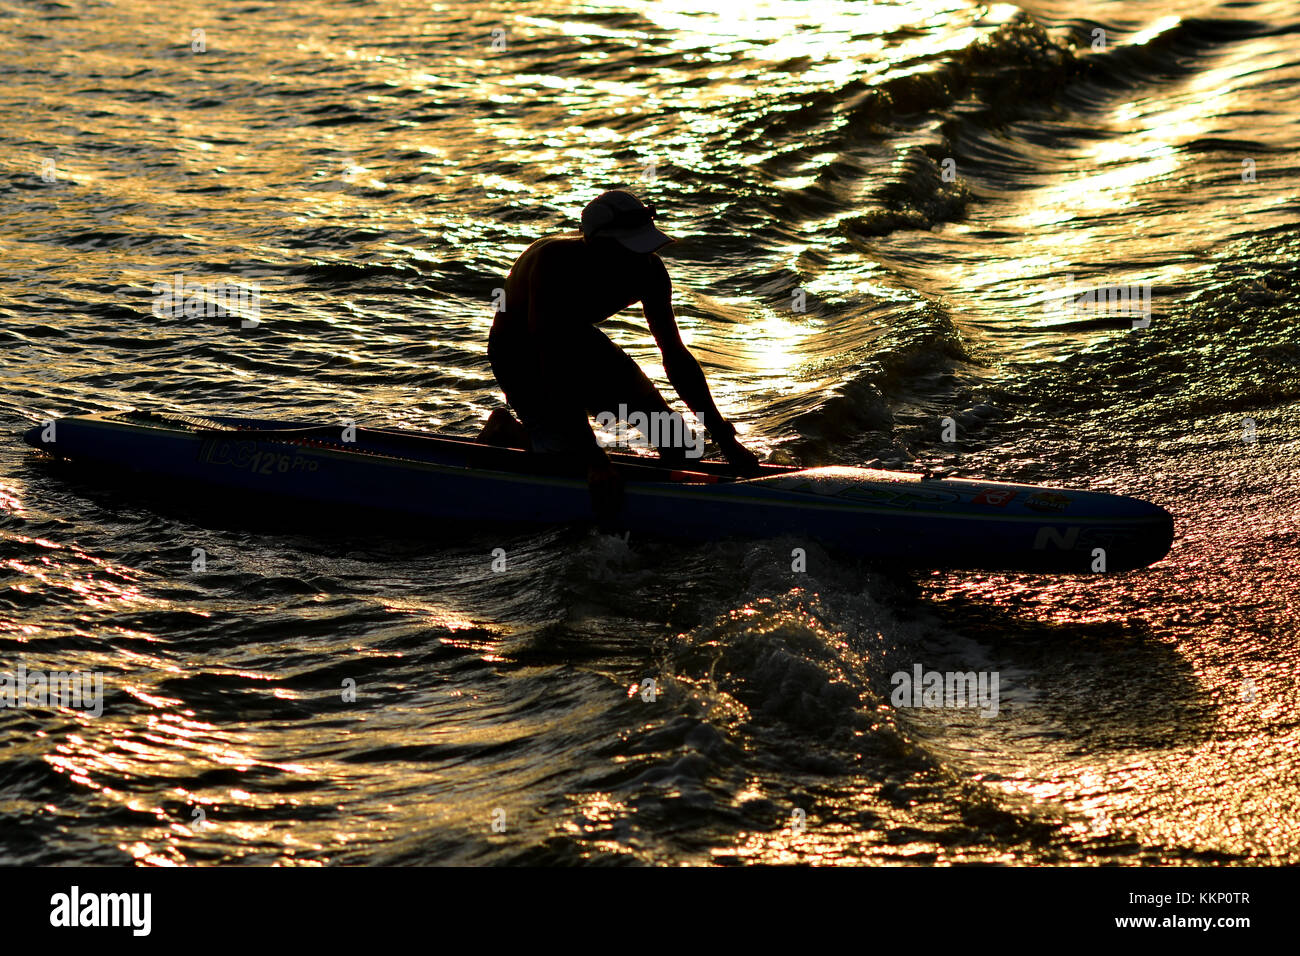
(599, 377)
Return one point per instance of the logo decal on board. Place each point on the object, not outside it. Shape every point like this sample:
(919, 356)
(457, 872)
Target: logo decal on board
(1047, 501)
(903, 494)
(997, 497)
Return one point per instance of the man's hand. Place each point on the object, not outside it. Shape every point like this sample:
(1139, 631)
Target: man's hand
(606, 487)
(741, 458)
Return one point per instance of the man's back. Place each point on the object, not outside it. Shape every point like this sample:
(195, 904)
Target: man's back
(561, 280)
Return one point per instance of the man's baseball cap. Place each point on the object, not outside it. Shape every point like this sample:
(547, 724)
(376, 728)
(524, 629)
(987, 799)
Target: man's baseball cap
(620, 215)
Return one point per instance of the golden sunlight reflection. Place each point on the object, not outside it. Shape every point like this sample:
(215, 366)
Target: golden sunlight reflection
(595, 818)
(431, 615)
(1157, 28)
(774, 348)
(830, 23)
(11, 500)
(98, 590)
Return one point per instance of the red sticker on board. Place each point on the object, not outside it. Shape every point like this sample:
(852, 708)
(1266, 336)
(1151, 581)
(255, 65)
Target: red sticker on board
(997, 497)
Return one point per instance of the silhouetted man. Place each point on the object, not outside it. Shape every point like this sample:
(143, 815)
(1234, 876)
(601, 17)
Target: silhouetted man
(555, 366)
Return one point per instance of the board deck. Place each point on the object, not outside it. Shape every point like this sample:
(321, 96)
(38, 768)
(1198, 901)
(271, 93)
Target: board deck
(904, 517)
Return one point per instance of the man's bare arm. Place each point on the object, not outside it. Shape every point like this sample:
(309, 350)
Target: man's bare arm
(680, 365)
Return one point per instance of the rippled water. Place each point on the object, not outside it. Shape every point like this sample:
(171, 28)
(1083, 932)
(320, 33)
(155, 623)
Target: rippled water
(926, 172)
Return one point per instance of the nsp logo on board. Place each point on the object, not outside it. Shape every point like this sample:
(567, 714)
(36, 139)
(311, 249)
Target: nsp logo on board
(76, 909)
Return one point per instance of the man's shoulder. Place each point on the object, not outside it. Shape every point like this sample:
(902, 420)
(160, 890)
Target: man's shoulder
(553, 248)
(544, 260)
